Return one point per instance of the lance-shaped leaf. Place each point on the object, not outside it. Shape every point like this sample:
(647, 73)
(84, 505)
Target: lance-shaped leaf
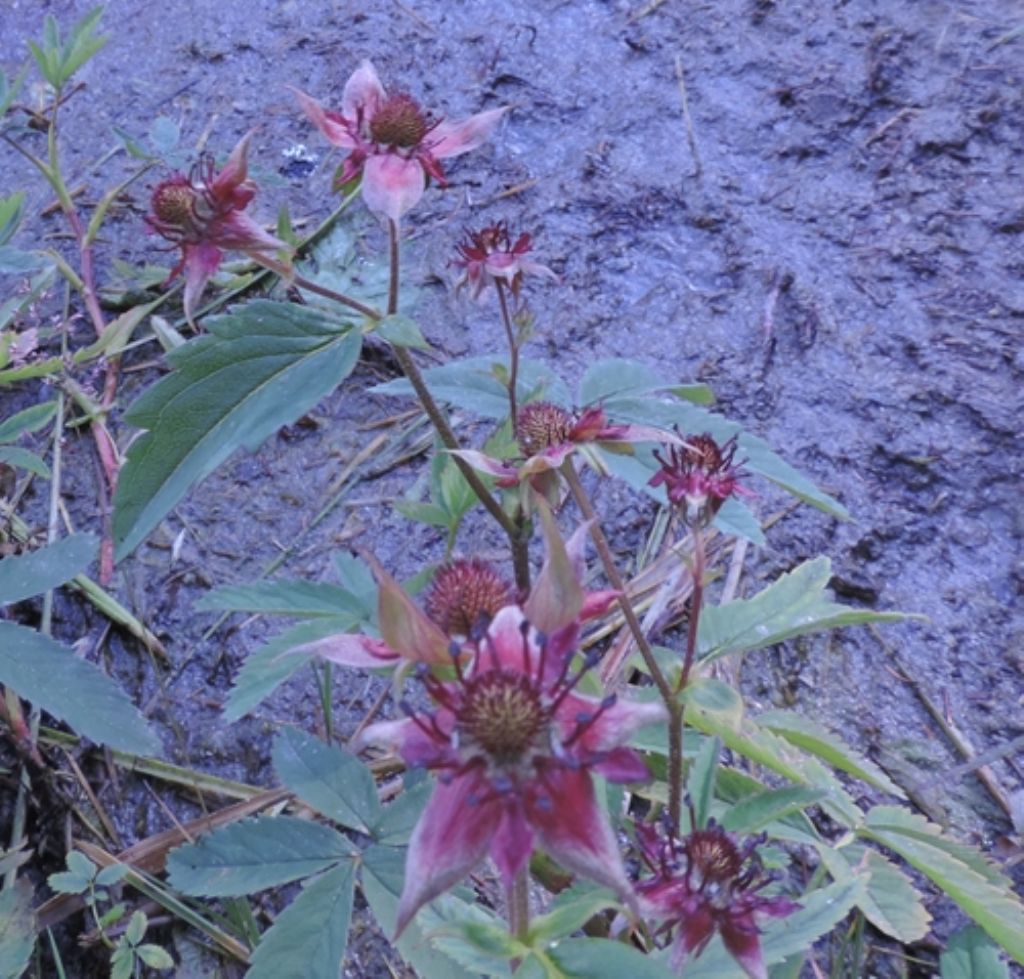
(796, 604)
(261, 366)
(53, 678)
(31, 574)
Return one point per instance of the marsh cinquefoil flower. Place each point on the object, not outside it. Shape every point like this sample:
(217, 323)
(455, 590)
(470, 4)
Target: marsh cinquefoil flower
(512, 744)
(490, 255)
(392, 144)
(699, 476)
(706, 882)
(204, 214)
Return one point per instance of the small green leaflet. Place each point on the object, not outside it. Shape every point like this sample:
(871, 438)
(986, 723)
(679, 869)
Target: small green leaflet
(256, 854)
(261, 366)
(17, 928)
(55, 679)
(794, 605)
(335, 783)
(304, 599)
(970, 955)
(308, 938)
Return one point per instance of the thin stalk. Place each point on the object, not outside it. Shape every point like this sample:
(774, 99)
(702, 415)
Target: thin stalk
(696, 603)
(519, 904)
(302, 282)
(612, 572)
(516, 539)
(513, 355)
(675, 763)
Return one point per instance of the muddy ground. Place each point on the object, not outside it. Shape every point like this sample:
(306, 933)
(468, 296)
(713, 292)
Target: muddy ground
(832, 242)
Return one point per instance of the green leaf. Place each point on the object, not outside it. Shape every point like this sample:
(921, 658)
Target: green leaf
(31, 574)
(794, 605)
(72, 689)
(601, 958)
(471, 385)
(17, 928)
(757, 811)
(715, 697)
(155, 957)
(14, 261)
(306, 599)
(970, 955)
(993, 906)
(266, 669)
(400, 817)
(570, 911)
(890, 901)
(259, 367)
(382, 884)
(816, 739)
(607, 380)
(308, 938)
(11, 208)
(112, 874)
(402, 332)
(164, 135)
(19, 458)
(739, 520)
(700, 783)
(67, 882)
(81, 45)
(335, 783)
(136, 929)
(256, 854)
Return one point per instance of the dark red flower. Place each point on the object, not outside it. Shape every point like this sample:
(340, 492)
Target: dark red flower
(466, 594)
(706, 882)
(700, 476)
(204, 214)
(513, 745)
(490, 254)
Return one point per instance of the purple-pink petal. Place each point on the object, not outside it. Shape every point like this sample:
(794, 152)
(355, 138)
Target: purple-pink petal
(363, 91)
(392, 184)
(329, 123)
(200, 262)
(454, 138)
(623, 765)
(451, 838)
(513, 842)
(742, 940)
(574, 829)
(350, 649)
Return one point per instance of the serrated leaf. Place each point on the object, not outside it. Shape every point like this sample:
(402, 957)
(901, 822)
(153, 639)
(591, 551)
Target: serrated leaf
(426, 513)
(307, 940)
(73, 690)
(155, 957)
(335, 783)
(402, 331)
(256, 854)
(136, 929)
(261, 366)
(267, 668)
(992, 905)
(471, 385)
(794, 605)
(816, 739)
(711, 696)
(14, 261)
(25, 575)
(757, 811)
(306, 599)
(601, 958)
(111, 874)
(971, 955)
(67, 882)
(17, 928)
(890, 901)
(381, 884)
(400, 817)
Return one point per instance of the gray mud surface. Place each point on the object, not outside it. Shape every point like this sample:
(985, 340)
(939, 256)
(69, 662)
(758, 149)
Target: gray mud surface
(833, 244)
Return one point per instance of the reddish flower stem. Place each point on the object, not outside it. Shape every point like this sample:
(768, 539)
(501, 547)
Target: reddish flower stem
(518, 542)
(518, 898)
(513, 356)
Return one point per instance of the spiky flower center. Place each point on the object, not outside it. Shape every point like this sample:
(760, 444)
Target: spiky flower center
(703, 452)
(399, 122)
(465, 596)
(714, 861)
(174, 203)
(501, 713)
(541, 425)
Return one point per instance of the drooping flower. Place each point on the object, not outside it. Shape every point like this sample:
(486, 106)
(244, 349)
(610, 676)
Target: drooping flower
(706, 882)
(392, 143)
(700, 475)
(513, 746)
(204, 214)
(548, 434)
(490, 255)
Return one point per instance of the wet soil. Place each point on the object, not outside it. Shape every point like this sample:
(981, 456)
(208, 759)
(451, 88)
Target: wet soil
(815, 207)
